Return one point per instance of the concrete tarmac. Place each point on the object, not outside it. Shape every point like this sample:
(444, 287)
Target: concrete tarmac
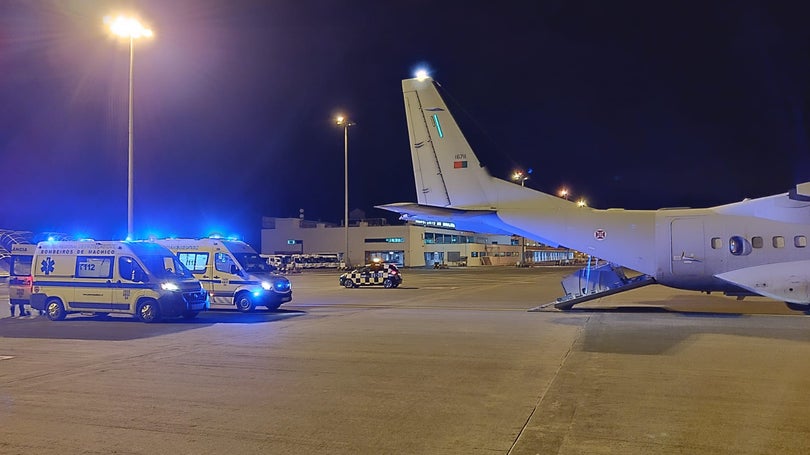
(449, 363)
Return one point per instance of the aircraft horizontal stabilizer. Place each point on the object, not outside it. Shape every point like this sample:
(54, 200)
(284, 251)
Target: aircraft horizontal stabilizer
(484, 221)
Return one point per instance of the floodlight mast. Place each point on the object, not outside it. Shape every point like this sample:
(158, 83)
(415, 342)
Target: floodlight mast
(131, 28)
(345, 123)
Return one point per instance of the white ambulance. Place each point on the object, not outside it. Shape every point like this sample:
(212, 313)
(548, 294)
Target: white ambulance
(20, 278)
(138, 278)
(232, 273)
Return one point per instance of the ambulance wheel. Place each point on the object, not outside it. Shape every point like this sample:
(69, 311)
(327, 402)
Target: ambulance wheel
(190, 314)
(243, 303)
(388, 283)
(54, 309)
(148, 311)
(348, 284)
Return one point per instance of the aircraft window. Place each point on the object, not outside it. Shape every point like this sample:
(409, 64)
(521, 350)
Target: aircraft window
(739, 246)
(800, 241)
(757, 242)
(717, 243)
(778, 241)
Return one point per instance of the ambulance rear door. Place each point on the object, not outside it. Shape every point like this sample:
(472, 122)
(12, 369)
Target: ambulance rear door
(200, 264)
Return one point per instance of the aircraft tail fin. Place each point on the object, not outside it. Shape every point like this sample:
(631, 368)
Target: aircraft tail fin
(446, 171)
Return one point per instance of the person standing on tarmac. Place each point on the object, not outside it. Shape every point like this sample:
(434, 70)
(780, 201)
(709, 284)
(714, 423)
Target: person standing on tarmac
(22, 310)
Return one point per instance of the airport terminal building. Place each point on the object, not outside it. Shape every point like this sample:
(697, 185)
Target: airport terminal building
(408, 245)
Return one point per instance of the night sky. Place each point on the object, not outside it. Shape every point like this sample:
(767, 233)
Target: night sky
(629, 104)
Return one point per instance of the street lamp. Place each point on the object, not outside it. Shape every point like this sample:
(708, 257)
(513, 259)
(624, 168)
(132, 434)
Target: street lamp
(345, 123)
(520, 176)
(128, 27)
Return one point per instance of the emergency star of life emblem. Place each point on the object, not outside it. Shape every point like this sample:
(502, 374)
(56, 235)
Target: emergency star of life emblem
(599, 234)
(47, 265)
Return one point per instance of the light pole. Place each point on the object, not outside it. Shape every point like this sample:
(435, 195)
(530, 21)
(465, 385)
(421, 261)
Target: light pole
(127, 27)
(521, 177)
(345, 123)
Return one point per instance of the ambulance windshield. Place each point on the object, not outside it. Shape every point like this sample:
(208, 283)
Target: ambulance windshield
(160, 261)
(166, 266)
(252, 263)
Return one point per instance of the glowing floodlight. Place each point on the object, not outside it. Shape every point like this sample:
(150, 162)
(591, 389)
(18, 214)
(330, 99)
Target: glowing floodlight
(421, 74)
(127, 27)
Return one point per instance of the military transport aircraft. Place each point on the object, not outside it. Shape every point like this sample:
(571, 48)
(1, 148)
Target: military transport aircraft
(753, 247)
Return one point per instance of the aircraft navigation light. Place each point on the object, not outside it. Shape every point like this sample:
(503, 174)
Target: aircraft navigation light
(421, 74)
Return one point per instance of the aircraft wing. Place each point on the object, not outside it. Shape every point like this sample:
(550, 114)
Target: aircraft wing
(785, 281)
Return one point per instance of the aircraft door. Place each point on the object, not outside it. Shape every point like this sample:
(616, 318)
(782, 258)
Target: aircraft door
(688, 243)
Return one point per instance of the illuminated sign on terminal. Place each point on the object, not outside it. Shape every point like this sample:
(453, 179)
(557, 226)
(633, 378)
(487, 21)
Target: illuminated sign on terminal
(439, 224)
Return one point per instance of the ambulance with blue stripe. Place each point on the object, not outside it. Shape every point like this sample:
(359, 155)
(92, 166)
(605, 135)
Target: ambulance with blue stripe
(138, 278)
(232, 272)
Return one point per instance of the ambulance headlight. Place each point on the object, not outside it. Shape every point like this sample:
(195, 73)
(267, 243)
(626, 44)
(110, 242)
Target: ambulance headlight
(266, 286)
(168, 286)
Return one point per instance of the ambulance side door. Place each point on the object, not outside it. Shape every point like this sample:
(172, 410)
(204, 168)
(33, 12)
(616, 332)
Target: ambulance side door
(126, 284)
(93, 283)
(224, 278)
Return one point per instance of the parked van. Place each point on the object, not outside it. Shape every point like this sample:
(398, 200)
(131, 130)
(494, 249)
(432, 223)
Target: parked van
(232, 272)
(278, 261)
(139, 278)
(20, 279)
